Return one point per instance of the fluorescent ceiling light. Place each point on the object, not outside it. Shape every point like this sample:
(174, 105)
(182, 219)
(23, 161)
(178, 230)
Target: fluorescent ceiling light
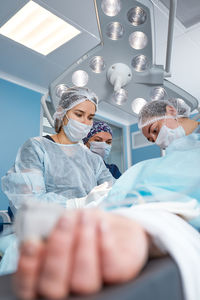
(38, 29)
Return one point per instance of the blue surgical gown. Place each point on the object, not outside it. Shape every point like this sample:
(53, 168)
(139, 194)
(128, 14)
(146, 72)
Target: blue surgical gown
(47, 171)
(173, 177)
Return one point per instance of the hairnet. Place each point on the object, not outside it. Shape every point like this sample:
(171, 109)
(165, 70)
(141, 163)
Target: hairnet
(70, 98)
(156, 110)
(98, 126)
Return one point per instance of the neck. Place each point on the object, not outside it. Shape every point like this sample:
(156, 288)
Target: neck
(188, 125)
(61, 138)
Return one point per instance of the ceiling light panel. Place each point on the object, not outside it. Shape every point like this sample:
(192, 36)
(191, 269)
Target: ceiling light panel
(38, 29)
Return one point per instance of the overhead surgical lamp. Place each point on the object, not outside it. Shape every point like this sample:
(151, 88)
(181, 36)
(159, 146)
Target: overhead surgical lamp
(122, 70)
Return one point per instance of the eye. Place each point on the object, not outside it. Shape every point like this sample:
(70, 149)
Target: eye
(90, 118)
(109, 143)
(78, 115)
(154, 130)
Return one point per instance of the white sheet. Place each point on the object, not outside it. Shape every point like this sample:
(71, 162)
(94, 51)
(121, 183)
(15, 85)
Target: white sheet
(175, 236)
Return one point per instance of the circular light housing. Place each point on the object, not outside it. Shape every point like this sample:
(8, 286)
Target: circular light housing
(158, 93)
(61, 89)
(111, 8)
(97, 64)
(180, 101)
(120, 97)
(140, 63)
(137, 105)
(138, 40)
(136, 16)
(114, 30)
(80, 78)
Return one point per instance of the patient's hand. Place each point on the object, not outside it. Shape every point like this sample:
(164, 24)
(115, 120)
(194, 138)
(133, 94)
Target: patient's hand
(86, 249)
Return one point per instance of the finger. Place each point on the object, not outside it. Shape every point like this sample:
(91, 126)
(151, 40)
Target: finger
(109, 263)
(25, 279)
(55, 274)
(86, 276)
(123, 252)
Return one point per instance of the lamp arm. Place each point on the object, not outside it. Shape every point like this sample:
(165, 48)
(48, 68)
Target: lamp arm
(46, 110)
(171, 23)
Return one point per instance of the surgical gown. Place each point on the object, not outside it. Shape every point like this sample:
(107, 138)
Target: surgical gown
(173, 177)
(47, 171)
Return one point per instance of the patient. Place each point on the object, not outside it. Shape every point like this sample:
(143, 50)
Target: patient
(113, 247)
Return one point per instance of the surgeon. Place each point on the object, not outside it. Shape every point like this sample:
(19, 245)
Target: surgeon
(173, 177)
(59, 168)
(163, 121)
(99, 141)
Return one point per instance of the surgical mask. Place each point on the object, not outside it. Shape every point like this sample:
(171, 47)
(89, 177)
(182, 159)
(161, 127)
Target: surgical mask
(101, 148)
(167, 135)
(75, 130)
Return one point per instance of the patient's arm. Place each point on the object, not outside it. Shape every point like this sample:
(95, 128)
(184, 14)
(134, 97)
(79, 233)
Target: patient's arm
(85, 249)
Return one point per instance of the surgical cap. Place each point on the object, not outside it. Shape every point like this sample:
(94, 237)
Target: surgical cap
(98, 126)
(70, 98)
(156, 110)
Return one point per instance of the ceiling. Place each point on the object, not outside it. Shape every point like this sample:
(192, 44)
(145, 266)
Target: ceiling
(188, 11)
(30, 69)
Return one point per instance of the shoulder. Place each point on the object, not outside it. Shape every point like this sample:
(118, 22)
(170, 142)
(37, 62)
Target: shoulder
(34, 144)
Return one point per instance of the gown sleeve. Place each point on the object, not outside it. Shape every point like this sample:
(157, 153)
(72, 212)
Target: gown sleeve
(25, 180)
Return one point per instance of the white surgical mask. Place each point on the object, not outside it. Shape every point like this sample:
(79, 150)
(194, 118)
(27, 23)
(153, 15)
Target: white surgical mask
(101, 148)
(75, 130)
(167, 135)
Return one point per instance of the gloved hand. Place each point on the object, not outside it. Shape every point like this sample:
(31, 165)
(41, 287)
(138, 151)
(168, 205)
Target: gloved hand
(93, 199)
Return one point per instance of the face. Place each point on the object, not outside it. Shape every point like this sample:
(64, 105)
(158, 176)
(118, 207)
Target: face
(101, 137)
(151, 131)
(83, 113)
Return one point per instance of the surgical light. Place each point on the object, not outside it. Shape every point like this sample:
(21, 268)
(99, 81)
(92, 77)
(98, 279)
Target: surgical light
(38, 29)
(114, 30)
(140, 63)
(119, 75)
(80, 78)
(180, 101)
(121, 66)
(136, 16)
(97, 64)
(61, 89)
(158, 93)
(120, 97)
(138, 40)
(137, 105)
(111, 8)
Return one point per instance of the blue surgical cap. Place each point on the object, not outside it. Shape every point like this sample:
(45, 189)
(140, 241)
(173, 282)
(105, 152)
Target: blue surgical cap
(98, 126)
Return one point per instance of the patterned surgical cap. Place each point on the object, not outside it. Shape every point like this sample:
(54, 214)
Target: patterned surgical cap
(98, 126)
